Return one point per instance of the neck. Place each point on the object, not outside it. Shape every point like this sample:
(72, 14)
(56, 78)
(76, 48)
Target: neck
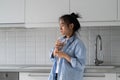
(68, 36)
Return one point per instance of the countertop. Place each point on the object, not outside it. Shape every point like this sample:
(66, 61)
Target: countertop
(25, 68)
(47, 68)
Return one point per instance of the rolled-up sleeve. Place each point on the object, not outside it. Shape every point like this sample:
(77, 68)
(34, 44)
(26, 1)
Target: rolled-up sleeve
(79, 60)
(51, 55)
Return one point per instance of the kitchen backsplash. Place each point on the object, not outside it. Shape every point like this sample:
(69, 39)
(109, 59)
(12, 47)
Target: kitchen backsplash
(18, 44)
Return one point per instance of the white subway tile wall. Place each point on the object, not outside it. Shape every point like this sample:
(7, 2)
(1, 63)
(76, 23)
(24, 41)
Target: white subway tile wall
(93, 32)
(2, 47)
(20, 42)
(115, 45)
(32, 46)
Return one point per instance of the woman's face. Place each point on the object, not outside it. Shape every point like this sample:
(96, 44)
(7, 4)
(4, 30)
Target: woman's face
(65, 29)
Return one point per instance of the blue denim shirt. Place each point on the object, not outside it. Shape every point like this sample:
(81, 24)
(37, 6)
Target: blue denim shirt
(74, 69)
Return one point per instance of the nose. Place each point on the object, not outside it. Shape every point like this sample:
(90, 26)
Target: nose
(60, 28)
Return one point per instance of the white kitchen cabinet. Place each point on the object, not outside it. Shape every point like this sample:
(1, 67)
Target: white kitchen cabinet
(119, 10)
(118, 76)
(9, 75)
(11, 11)
(94, 76)
(100, 76)
(44, 12)
(33, 76)
(110, 76)
(95, 10)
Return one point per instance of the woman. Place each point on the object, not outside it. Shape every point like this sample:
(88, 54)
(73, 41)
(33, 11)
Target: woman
(68, 55)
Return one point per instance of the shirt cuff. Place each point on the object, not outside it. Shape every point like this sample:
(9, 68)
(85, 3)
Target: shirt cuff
(73, 62)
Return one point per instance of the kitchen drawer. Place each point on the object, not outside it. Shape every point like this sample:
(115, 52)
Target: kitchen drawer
(99, 76)
(12, 74)
(33, 76)
(118, 76)
(9, 76)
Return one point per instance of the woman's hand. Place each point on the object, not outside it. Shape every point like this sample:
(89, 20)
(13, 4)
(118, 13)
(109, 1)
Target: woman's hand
(58, 47)
(59, 44)
(61, 54)
(58, 53)
(55, 52)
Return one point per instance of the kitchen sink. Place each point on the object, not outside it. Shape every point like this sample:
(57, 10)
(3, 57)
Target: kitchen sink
(98, 67)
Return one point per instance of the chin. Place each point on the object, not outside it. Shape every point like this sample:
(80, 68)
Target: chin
(62, 33)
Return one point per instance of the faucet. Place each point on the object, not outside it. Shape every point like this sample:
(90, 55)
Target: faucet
(97, 61)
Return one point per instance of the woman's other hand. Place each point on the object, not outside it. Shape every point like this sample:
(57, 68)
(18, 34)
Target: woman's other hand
(61, 54)
(59, 44)
(55, 52)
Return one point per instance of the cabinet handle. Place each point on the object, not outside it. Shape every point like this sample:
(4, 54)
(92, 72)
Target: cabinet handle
(6, 75)
(38, 75)
(94, 75)
(118, 76)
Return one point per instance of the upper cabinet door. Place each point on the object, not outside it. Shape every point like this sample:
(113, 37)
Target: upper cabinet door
(118, 9)
(95, 10)
(11, 11)
(40, 11)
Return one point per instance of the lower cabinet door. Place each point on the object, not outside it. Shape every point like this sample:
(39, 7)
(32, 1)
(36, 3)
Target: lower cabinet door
(100, 76)
(33, 76)
(118, 76)
(9, 75)
(94, 76)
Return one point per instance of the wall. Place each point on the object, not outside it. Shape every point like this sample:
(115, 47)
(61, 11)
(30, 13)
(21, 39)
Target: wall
(110, 44)
(115, 45)
(26, 46)
(16, 44)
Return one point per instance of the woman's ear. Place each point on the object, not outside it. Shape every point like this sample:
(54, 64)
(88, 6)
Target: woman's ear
(71, 26)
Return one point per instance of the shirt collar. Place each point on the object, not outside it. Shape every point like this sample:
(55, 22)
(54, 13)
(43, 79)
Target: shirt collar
(70, 39)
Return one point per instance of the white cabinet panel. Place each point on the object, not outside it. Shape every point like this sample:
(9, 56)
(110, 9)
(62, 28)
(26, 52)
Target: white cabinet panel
(40, 11)
(118, 9)
(95, 10)
(118, 76)
(45, 11)
(100, 76)
(33, 76)
(11, 11)
(111, 76)
(94, 76)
